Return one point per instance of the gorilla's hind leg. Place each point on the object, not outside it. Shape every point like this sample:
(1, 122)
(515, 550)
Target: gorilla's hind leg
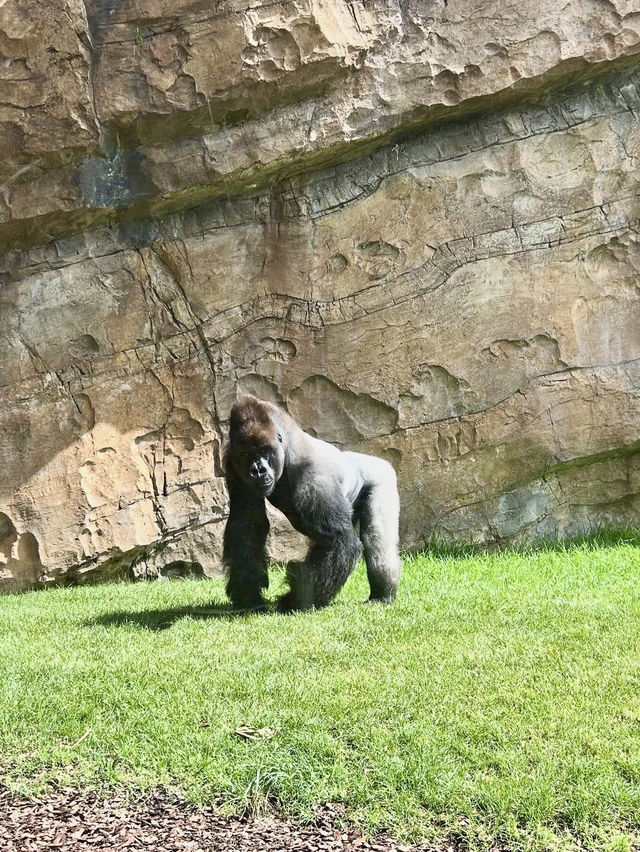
(379, 534)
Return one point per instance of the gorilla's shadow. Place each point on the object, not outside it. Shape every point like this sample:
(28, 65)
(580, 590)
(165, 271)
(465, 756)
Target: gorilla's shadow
(162, 619)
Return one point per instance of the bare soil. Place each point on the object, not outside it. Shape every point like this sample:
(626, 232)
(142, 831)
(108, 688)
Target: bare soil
(74, 821)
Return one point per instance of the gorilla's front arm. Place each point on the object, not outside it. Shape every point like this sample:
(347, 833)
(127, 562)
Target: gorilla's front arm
(320, 511)
(244, 545)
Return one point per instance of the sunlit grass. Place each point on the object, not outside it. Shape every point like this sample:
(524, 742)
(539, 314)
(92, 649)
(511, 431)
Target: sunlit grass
(499, 697)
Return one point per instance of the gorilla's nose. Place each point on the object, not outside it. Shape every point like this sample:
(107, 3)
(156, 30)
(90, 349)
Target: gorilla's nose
(258, 471)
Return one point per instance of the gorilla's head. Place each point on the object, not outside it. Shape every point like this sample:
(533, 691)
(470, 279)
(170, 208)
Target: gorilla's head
(255, 445)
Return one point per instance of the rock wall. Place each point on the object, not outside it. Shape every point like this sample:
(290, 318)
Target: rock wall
(414, 223)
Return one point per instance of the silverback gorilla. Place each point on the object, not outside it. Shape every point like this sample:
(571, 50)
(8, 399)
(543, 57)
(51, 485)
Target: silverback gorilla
(325, 494)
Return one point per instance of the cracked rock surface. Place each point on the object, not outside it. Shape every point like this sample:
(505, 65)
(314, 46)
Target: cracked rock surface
(414, 224)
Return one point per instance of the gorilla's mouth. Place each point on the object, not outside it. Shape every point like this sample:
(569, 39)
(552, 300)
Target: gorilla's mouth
(265, 486)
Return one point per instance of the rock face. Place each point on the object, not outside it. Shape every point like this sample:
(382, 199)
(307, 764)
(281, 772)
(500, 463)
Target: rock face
(414, 223)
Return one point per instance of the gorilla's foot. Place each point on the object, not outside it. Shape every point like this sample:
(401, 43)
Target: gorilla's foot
(248, 606)
(291, 603)
(287, 603)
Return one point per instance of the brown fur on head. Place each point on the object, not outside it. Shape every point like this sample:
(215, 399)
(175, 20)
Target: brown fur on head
(250, 422)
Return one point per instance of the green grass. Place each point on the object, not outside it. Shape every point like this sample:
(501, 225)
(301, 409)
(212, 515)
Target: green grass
(497, 699)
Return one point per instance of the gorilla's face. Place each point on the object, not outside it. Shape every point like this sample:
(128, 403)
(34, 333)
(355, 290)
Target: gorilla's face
(260, 466)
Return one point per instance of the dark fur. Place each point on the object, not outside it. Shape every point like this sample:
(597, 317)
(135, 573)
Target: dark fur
(269, 456)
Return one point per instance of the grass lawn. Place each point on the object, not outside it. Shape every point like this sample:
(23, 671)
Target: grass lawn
(498, 698)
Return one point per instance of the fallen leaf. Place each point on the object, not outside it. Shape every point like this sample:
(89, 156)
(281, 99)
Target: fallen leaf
(247, 732)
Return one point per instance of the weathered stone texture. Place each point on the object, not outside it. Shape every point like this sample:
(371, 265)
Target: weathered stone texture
(415, 224)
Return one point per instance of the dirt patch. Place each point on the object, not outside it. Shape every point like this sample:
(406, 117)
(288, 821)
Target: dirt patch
(71, 821)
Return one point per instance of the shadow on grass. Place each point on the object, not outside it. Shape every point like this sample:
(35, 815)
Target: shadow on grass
(162, 619)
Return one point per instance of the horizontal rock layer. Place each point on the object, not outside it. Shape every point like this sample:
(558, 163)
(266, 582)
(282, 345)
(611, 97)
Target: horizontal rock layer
(413, 224)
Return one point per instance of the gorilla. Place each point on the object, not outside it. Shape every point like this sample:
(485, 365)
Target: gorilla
(324, 492)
